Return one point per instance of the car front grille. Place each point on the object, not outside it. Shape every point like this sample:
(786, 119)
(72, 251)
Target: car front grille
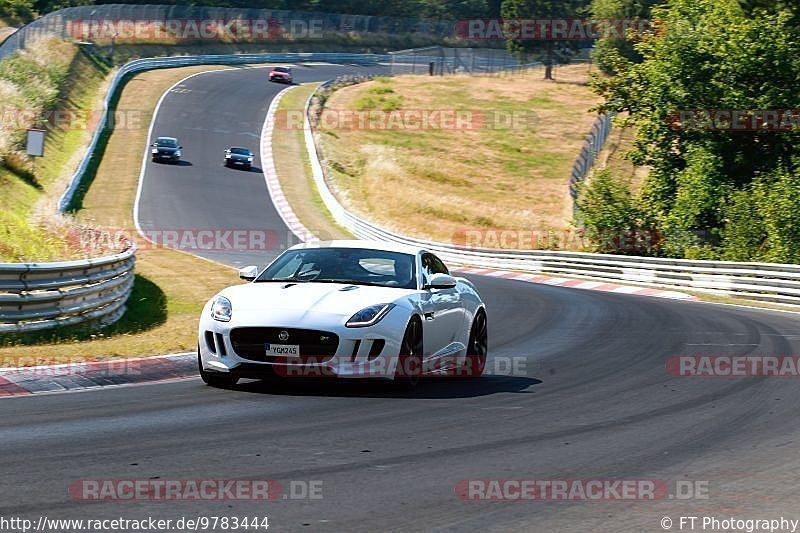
(315, 346)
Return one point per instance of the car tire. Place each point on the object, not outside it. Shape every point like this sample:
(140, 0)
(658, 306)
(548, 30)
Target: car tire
(214, 379)
(477, 347)
(409, 365)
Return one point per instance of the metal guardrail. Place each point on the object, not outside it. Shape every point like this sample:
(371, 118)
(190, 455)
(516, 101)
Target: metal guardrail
(44, 295)
(38, 296)
(151, 63)
(756, 281)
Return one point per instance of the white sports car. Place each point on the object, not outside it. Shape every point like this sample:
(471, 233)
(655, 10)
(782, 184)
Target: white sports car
(345, 309)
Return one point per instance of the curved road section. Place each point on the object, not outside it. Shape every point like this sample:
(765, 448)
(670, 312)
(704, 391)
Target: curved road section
(199, 205)
(583, 401)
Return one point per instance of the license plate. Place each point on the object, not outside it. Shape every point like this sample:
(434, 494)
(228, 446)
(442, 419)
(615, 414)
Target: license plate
(286, 350)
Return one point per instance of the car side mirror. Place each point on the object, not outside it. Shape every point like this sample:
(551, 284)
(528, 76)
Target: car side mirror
(180, 147)
(441, 281)
(154, 145)
(249, 273)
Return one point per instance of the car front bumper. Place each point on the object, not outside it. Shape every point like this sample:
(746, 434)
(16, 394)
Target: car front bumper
(166, 157)
(358, 355)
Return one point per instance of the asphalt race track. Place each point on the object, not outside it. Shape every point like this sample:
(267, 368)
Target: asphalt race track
(589, 397)
(209, 113)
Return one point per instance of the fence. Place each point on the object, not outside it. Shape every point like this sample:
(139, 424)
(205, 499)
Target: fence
(39, 296)
(757, 281)
(290, 25)
(591, 148)
(439, 61)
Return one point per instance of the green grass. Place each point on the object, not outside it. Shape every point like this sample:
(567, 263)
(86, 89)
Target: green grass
(70, 82)
(146, 309)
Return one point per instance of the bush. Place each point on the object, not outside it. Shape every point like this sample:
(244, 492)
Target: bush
(778, 197)
(609, 217)
(744, 233)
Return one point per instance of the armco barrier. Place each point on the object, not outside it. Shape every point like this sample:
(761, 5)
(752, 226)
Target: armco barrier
(139, 65)
(757, 281)
(38, 296)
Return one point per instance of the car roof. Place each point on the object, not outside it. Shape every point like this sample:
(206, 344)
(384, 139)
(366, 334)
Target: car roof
(384, 246)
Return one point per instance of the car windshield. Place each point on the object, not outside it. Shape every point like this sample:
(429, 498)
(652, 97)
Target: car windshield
(282, 69)
(240, 151)
(167, 142)
(354, 266)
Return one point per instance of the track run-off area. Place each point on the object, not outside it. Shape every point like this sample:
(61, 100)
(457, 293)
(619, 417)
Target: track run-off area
(577, 388)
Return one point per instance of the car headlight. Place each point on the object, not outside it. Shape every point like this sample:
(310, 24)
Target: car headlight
(221, 309)
(369, 316)
(227, 156)
(154, 150)
(177, 153)
(249, 159)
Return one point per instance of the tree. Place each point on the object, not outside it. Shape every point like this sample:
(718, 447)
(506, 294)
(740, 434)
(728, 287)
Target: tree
(608, 47)
(16, 11)
(710, 55)
(550, 49)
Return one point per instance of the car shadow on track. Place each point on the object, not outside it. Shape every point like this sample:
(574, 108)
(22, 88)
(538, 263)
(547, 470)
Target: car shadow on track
(429, 388)
(181, 163)
(244, 169)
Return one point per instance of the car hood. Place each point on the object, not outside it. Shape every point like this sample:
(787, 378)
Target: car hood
(166, 149)
(239, 156)
(299, 299)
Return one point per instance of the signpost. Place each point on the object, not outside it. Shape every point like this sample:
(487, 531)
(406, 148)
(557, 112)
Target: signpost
(35, 145)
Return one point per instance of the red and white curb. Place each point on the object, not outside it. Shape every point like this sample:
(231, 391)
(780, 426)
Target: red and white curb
(577, 283)
(271, 175)
(74, 376)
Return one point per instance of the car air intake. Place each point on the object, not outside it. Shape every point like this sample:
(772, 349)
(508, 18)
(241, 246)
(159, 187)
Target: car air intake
(221, 345)
(376, 348)
(315, 346)
(210, 342)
